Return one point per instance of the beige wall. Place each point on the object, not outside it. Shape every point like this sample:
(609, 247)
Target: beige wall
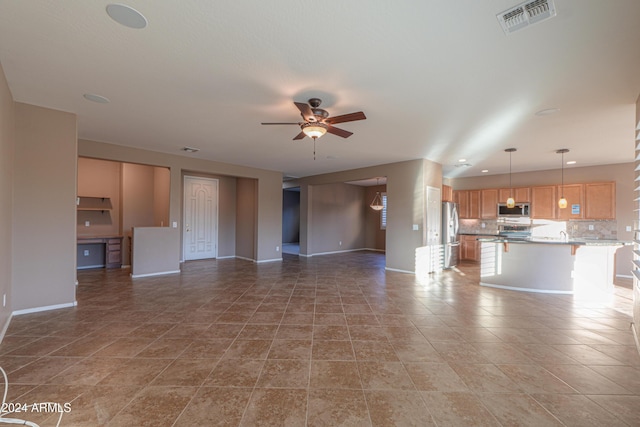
(406, 186)
(161, 188)
(622, 174)
(7, 139)
(44, 225)
(97, 178)
(269, 187)
(246, 209)
(341, 207)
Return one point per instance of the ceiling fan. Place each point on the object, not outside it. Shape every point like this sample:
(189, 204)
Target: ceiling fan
(317, 121)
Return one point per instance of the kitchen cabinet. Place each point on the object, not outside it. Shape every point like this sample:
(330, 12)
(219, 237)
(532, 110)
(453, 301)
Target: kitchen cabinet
(574, 193)
(447, 193)
(489, 203)
(468, 203)
(520, 194)
(469, 248)
(600, 200)
(543, 202)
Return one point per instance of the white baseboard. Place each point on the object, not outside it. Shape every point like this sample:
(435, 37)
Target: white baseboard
(537, 291)
(397, 270)
(160, 273)
(244, 258)
(262, 261)
(45, 308)
(624, 276)
(5, 327)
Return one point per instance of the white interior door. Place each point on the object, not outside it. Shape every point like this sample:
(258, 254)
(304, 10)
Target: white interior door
(200, 232)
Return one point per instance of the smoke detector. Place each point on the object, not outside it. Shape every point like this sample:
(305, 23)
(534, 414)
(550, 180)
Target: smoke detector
(525, 14)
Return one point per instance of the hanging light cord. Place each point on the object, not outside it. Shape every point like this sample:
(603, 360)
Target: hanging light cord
(510, 188)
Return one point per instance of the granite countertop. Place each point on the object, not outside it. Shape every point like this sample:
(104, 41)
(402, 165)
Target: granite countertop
(570, 241)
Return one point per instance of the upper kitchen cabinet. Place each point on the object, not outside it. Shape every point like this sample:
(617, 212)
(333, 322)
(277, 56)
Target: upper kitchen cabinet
(447, 193)
(489, 203)
(468, 203)
(600, 200)
(520, 194)
(543, 202)
(574, 193)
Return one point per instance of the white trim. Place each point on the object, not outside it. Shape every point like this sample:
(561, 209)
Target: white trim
(340, 252)
(45, 308)
(5, 327)
(226, 257)
(245, 258)
(306, 255)
(262, 261)
(624, 276)
(537, 291)
(160, 273)
(397, 270)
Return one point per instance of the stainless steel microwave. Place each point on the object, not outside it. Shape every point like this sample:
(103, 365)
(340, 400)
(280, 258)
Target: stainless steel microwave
(519, 210)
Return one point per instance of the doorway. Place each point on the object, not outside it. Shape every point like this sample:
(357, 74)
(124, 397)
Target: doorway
(291, 221)
(200, 232)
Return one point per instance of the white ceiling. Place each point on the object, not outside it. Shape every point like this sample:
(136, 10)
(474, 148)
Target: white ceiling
(436, 79)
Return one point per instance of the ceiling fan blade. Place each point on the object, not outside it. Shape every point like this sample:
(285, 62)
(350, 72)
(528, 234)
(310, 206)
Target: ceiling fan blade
(280, 124)
(340, 132)
(346, 118)
(301, 135)
(305, 110)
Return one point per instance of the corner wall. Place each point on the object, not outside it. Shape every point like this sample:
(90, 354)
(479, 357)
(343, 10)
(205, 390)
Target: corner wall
(7, 140)
(44, 209)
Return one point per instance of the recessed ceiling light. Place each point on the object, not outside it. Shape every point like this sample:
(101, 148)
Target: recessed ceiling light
(571, 162)
(190, 149)
(462, 160)
(547, 111)
(96, 98)
(485, 170)
(127, 16)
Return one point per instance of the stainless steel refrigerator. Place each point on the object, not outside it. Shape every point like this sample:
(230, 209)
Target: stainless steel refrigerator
(450, 241)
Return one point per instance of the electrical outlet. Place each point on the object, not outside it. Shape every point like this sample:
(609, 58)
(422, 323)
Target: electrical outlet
(4, 300)
(628, 228)
(277, 248)
(87, 223)
(591, 227)
(174, 224)
(340, 243)
(483, 225)
(86, 252)
(416, 227)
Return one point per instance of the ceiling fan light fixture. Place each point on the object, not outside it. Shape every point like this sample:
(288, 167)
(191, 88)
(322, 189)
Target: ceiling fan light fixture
(314, 130)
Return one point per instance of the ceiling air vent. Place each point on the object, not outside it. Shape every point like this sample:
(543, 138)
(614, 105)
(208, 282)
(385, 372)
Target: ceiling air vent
(525, 14)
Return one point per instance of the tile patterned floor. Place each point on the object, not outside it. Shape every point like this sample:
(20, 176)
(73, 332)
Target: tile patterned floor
(326, 341)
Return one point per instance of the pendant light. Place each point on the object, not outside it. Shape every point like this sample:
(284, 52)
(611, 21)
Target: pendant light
(562, 203)
(510, 202)
(376, 204)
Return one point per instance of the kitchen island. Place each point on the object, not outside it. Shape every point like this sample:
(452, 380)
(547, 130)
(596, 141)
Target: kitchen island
(548, 265)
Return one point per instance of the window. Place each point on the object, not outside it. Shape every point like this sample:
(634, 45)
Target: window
(383, 212)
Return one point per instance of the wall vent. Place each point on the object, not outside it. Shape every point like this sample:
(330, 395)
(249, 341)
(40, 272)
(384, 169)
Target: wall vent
(525, 14)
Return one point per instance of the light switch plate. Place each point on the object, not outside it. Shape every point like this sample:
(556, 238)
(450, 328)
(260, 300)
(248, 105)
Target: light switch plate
(416, 227)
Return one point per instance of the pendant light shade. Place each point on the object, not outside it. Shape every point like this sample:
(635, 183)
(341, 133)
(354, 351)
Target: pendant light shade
(510, 201)
(376, 204)
(562, 203)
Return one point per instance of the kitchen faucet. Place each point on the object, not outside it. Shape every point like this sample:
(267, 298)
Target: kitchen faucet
(563, 235)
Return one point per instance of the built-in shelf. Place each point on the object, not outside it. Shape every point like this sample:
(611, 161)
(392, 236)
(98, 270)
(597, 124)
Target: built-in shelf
(94, 203)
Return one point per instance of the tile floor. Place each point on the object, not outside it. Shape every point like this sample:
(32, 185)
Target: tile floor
(326, 341)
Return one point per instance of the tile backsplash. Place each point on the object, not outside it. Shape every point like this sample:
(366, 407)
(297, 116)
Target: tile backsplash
(604, 229)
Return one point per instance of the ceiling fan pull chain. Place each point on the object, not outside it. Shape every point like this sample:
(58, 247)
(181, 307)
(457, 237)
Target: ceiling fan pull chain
(314, 148)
